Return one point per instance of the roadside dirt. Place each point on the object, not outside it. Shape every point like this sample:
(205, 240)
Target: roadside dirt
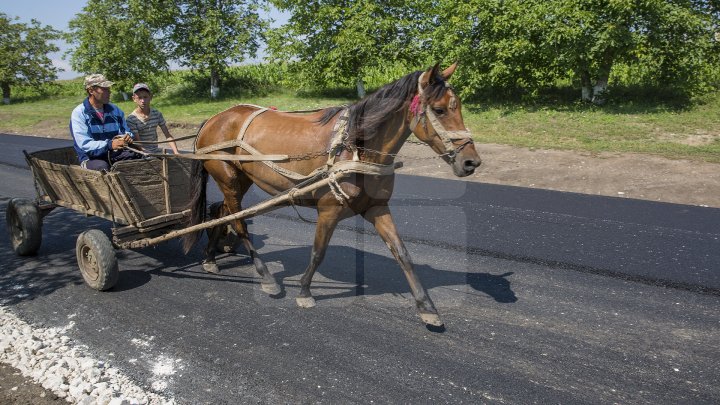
(18, 390)
(623, 175)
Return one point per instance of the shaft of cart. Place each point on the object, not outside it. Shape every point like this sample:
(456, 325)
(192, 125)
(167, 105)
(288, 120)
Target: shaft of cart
(261, 208)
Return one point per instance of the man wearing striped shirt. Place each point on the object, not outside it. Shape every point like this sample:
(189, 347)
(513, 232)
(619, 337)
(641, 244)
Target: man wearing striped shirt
(144, 121)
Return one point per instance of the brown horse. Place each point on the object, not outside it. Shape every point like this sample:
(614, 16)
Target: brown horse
(375, 129)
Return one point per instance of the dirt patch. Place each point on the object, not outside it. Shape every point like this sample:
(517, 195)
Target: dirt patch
(18, 390)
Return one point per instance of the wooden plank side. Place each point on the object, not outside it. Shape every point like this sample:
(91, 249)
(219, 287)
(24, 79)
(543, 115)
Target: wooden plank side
(180, 184)
(91, 186)
(63, 156)
(58, 181)
(119, 199)
(144, 184)
(166, 186)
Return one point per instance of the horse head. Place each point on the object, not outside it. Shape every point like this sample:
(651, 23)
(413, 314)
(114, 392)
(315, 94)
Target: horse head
(436, 118)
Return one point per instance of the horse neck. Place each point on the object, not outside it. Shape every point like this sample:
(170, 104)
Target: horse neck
(390, 137)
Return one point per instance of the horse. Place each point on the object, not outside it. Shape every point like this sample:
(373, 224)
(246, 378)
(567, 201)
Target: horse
(369, 132)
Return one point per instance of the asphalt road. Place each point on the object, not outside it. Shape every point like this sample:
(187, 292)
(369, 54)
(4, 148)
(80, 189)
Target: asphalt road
(548, 297)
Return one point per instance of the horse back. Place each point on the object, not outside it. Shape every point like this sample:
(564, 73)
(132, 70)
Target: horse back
(300, 135)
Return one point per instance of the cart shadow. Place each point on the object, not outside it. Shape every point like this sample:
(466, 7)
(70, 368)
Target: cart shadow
(29, 277)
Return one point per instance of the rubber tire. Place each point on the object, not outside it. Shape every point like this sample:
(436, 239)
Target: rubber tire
(24, 225)
(96, 259)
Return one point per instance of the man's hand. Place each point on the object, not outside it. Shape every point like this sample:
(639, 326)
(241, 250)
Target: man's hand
(120, 141)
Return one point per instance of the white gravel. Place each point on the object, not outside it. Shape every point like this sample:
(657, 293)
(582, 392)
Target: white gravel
(52, 359)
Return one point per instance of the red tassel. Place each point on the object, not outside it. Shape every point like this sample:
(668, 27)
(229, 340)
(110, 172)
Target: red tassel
(415, 107)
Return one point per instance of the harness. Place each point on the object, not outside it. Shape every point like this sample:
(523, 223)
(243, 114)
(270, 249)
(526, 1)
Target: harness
(423, 113)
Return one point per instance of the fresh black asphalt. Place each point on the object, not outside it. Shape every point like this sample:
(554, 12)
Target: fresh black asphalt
(547, 296)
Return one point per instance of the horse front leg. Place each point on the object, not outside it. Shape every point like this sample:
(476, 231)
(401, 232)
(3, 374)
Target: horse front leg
(381, 218)
(326, 223)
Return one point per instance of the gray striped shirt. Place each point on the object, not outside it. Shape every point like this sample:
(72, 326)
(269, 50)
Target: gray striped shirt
(146, 131)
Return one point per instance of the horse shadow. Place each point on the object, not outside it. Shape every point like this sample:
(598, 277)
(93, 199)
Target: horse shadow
(345, 272)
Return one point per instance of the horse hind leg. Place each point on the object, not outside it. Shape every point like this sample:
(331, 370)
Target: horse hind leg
(214, 236)
(239, 232)
(268, 284)
(326, 223)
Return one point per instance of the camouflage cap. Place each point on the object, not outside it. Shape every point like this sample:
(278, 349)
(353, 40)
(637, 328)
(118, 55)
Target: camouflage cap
(97, 80)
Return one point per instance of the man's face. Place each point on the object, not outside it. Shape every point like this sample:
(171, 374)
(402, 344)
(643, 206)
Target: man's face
(100, 94)
(142, 98)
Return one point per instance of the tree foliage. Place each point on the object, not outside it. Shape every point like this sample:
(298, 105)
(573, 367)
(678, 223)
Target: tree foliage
(337, 41)
(527, 44)
(24, 52)
(209, 35)
(111, 37)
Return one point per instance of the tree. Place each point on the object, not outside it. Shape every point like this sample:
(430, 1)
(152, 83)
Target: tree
(24, 50)
(337, 41)
(208, 35)
(529, 44)
(112, 38)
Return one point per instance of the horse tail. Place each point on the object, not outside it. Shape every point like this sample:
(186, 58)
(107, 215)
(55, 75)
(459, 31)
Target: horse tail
(197, 204)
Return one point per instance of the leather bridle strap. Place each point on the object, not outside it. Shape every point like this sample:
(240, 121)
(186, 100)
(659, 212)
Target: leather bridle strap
(420, 111)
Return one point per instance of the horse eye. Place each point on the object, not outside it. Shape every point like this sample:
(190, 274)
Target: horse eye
(439, 111)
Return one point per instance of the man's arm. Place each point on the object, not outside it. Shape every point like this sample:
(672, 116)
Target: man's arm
(81, 134)
(169, 137)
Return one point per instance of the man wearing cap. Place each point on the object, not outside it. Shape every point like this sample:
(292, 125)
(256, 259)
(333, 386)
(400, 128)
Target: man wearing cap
(98, 127)
(144, 121)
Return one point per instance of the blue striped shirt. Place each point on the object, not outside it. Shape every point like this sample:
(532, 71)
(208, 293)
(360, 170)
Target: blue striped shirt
(92, 136)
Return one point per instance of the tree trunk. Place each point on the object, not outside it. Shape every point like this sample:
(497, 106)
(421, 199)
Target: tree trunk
(360, 87)
(5, 92)
(586, 85)
(600, 87)
(214, 83)
(125, 95)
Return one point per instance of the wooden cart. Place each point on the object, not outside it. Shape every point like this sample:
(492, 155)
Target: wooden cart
(146, 198)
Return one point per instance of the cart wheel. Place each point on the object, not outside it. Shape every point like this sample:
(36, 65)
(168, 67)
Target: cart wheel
(24, 226)
(96, 259)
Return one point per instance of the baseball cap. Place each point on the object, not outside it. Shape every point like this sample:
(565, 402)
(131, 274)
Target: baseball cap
(97, 80)
(141, 86)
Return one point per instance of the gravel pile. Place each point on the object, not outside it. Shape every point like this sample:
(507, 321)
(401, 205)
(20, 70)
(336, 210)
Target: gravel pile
(51, 358)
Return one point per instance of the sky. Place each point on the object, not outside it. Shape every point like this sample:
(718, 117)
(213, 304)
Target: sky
(58, 14)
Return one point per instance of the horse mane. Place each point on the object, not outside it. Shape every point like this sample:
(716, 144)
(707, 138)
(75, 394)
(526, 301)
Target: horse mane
(368, 114)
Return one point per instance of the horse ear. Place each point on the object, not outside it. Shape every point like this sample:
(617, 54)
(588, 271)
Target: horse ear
(449, 71)
(428, 77)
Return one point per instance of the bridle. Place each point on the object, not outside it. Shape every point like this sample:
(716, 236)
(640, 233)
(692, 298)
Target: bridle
(422, 113)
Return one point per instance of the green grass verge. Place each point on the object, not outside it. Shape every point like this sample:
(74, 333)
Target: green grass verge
(690, 132)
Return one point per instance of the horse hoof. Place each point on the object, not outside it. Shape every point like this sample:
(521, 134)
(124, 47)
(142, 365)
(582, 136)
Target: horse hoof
(431, 319)
(211, 268)
(270, 289)
(305, 302)
(227, 249)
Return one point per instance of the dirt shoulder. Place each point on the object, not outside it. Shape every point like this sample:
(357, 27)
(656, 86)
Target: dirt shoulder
(624, 175)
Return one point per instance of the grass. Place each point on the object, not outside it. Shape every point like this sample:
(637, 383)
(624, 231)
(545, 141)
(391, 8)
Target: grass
(687, 132)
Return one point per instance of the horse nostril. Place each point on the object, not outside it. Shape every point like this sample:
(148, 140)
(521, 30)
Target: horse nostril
(471, 164)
